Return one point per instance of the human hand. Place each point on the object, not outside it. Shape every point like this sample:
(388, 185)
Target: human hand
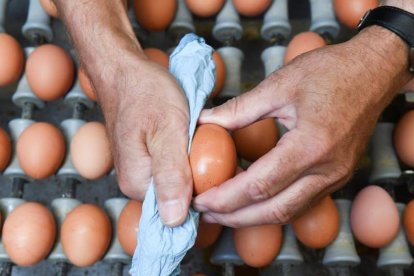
(147, 120)
(330, 100)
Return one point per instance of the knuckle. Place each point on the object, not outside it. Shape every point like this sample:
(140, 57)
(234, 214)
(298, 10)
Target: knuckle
(260, 189)
(170, 183)
(279, 214)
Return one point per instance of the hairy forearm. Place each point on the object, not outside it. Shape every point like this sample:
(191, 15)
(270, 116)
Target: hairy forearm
(103, 38)
(402, 4)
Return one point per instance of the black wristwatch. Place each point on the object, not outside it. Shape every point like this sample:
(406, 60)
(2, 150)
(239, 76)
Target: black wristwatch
(396, 20)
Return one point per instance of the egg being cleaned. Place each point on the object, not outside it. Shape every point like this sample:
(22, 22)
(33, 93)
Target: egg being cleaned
(374, 217)
(220, 74)
(40, 150)
(318, 226)
(213, 157)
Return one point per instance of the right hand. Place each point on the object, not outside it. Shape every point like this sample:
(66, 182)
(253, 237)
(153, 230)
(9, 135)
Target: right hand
(147, 122)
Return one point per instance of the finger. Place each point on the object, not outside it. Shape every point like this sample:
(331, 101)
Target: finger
(280, 167)
(280, 209)
(241, 111)
(171, 170)
(133, 170)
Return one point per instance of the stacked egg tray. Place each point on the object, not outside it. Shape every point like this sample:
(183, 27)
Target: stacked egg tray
(251, 48)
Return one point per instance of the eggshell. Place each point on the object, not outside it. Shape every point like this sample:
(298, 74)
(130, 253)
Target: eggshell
(255, 140)
(40, 150)
(12, 59)
(86, 85)
(90, 151)
(408, 221)
(212, 157)
(5, 149)
(350, 12)
(319, 225)
(220, 74)
(302, 43)
(50, 72)
(404, 137)
(29, 233)
(128, 225)
(50, 8)
(157, 56)
(207, 234)
(155, 15)
(258, 245)
(204, 8)
(374, 217)
(251, 7)
(86, 234)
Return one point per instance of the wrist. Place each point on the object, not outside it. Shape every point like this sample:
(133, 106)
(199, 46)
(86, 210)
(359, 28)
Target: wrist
(402, 4)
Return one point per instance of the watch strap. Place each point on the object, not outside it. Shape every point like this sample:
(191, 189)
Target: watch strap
(396, 20)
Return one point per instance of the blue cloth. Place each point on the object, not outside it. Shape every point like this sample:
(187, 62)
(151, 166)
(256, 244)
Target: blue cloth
(161, 248)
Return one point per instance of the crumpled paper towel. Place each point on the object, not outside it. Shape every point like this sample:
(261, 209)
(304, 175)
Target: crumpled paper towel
(161, 248)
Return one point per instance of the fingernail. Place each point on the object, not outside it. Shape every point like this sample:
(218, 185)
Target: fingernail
(171, 212)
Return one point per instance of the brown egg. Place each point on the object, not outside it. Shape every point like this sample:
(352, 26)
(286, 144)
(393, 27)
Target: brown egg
(374, 217)
(207, 234)
(257, 246)
(29, 233)
(403, 139)
(86, 85)
(50, 8)
(86, 234)
(128, 224)
(204, 8)
(220, 74)
(302, 43)
(212, 157)
(408, 221)
(251, 7)
(155, 15)
(50, 72)
(12, 60)
(157, 56)
(90, 151)
(318, 226)
(349, 12)
(5, 149)
(40, 150)
(255, 140)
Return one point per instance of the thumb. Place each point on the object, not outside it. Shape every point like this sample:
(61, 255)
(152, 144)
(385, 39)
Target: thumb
(244, 109)
(171, 171)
